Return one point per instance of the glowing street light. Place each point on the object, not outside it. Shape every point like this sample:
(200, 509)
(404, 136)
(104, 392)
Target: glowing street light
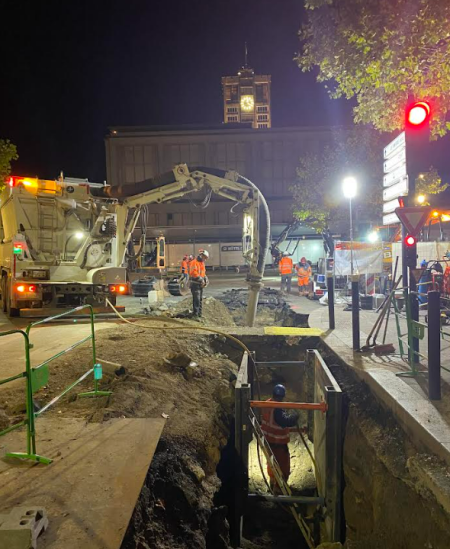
(421, 198)
(349, 188)
(373, 236)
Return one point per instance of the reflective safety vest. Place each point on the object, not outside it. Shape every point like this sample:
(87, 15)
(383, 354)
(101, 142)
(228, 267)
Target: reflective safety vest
(273, 433)
(197, 268)
(303, 272)
(285, 266)
(184, 266)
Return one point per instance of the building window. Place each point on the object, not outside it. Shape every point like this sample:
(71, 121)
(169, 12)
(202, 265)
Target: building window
(262, 109)
(263, 117)
(262, 93)
(246, 90)
(232, 119)
(231, 93)
(263, 126)
(232, 110)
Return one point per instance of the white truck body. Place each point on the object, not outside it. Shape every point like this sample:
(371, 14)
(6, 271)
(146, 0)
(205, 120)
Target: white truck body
(57, 246)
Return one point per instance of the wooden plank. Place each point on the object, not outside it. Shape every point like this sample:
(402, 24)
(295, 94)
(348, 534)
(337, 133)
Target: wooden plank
(91, 488)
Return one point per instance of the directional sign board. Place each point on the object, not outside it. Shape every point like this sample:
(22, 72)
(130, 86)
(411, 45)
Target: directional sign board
(395, 180)
(391, 219)
(399, 189)
(414, 218)
(390, 206)
(398, 143)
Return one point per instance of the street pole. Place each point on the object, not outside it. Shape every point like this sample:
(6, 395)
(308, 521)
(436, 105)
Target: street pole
(351, 238)
(434, 345)
(330, 288)
(355, 313)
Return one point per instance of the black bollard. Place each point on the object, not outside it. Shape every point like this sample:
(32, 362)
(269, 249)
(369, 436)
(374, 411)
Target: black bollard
(355, 312)
(434, 345)
(330, 287)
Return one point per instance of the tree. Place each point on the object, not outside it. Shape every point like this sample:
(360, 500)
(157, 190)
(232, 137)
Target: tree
(381, 52)
(8, 153)
(430, 183)
(318, 198)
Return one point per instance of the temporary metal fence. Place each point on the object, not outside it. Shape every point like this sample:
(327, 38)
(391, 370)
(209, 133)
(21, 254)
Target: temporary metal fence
(416, 330)
(36, 377)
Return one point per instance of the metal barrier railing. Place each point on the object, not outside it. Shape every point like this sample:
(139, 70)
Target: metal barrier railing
(416, 329)
(36, 377)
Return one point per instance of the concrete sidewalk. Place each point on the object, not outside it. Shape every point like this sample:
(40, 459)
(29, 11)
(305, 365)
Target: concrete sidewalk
(428, 422)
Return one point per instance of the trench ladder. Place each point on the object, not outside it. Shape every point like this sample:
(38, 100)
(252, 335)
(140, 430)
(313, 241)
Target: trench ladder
(284, 487)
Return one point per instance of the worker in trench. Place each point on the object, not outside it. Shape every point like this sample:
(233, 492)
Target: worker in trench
(286, 268)
(276, 425)
(304, 272)
(199, 280)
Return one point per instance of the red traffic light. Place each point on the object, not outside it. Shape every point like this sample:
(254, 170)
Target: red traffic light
(418, 113)
(410, 240)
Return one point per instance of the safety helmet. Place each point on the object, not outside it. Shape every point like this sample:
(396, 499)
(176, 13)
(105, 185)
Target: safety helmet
(191, 257)
(423, 263)
(279, 391)
(204, 252)
(185, 256)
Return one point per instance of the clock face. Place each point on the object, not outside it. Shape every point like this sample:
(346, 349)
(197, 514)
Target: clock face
(247, 102)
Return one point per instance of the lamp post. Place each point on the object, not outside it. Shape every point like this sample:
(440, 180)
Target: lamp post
(349, 187)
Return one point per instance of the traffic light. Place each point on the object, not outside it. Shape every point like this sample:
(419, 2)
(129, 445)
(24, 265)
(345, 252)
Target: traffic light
(418, 115)
(410, 248)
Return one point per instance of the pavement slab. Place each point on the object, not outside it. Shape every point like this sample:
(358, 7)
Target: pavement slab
(90, 489)
(427, 422)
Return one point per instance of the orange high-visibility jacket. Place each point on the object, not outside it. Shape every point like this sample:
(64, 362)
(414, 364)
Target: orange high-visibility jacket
(303, 272)
(197, 268)
(286, 266)
(273, 433)
(184, 266)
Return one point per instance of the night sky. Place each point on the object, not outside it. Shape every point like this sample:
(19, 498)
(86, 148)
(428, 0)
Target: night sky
(71, 68)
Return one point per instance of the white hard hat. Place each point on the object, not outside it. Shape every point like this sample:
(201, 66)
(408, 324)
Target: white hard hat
(204, 252)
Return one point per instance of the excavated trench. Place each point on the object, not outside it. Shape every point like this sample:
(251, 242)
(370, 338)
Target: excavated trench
(387, 502)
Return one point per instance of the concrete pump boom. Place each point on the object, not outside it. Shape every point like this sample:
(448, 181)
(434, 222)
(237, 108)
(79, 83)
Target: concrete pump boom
(181, 182)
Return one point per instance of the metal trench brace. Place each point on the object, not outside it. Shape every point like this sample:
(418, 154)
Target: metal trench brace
(284, 487)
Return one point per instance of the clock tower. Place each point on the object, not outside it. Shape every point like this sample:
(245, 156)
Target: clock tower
(246, 98)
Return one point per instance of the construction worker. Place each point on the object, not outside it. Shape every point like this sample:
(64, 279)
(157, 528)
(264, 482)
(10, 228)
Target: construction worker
(276, 424)
(286, 267)
(304, 271)
(197, 273)
(185, 267)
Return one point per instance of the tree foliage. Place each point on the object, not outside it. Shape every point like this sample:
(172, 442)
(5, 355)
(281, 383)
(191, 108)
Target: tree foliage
(318, 197)
(430, 183)
(381, 52)
(8, 153)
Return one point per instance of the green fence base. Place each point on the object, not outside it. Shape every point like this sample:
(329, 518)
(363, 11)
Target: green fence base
(93, 394)
(32, 457)
(413, 373)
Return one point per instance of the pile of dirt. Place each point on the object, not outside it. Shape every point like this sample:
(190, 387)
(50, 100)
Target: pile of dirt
(214, 312)
(151, 373)
(273, 309)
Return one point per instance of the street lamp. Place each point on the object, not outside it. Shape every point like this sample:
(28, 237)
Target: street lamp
(373, 236)
(349, 187)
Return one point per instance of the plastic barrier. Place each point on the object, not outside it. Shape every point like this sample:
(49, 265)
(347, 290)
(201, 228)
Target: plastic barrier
(36, 377)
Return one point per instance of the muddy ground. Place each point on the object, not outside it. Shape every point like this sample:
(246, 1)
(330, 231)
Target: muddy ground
(190, 379)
